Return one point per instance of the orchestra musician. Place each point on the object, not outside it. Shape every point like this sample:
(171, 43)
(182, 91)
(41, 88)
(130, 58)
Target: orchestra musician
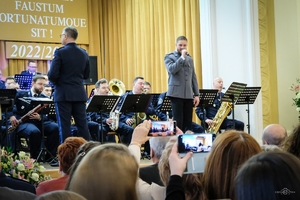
(31, 68)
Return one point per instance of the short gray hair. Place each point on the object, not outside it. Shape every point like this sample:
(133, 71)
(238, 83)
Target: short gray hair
(158, 145)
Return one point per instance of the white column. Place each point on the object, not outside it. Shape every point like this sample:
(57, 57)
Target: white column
(230, 49)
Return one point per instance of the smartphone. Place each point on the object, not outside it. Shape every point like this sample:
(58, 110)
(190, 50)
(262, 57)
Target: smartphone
(162, 128)
(200, 145)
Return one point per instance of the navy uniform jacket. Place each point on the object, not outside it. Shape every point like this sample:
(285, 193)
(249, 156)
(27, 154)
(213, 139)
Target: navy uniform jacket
(15, 184)
(69, 67)
(182, 81)
(2, 84)
(26, 72)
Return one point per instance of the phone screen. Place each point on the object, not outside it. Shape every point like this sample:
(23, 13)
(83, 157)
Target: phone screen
(200, 144)
(195, 142)
(162, 128)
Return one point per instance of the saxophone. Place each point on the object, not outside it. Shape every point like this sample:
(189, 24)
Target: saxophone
(220, 116)
(115, 120)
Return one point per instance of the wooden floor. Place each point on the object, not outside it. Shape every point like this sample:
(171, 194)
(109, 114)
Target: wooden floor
(54, 172)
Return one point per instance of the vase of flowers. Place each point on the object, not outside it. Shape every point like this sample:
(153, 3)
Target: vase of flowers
(296, 88)
(21, 166)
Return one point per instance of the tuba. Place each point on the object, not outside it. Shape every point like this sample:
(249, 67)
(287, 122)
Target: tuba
(220, 116)
(116, 87)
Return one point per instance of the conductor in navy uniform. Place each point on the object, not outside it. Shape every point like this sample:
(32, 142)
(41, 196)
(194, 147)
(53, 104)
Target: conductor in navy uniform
(69, 67)
(182, 84)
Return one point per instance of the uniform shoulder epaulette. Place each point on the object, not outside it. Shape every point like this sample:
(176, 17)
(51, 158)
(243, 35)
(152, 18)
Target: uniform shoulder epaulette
(60, 48)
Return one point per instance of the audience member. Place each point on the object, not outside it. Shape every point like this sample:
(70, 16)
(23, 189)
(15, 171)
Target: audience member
(292, 142)
(108, 171)
(14, 183)
(271, 147)
(10, 194)
(61, 195)
(82, 151)
(66, 155)
(192, 182)
(268, 176)
(208, 115)
(31, 68)
(274, 134)
(229, 151)
(150, 173)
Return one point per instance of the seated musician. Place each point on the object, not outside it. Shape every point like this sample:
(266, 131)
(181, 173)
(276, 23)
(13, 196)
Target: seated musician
(196, 128)
(123, 129)
(31, 68)
(212, 111)
(138, 88)
(32, 127)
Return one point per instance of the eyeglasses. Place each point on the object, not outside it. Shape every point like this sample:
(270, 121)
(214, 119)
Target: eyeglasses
(61, 35)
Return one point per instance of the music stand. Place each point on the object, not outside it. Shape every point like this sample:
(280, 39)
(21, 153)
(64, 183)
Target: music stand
(100, 104)
(52, 112)
(24, 80)
(42, 101)
(232, 94)
(136, 103)
(207, 98)
(6, 101)
(155, 97)
(248, 96)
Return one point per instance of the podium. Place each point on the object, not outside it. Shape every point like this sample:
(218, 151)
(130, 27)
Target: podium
(207, 98)
(232, 94)
(100, 104)
(6, 101)
(248, 96)
(43, 102)
(24, 80)
(136, 103)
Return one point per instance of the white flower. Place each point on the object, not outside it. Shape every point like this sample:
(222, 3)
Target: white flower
(298, 109)
(22, 154)
(41, 168)
(35, 176)
(21, 167)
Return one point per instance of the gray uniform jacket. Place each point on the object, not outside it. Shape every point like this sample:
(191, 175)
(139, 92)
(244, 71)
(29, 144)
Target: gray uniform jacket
(182, 82)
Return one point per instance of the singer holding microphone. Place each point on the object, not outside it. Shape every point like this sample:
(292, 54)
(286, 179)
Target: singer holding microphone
(212, 111)
(182, 84)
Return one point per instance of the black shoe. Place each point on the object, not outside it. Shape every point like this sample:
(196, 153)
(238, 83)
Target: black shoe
(54, 164)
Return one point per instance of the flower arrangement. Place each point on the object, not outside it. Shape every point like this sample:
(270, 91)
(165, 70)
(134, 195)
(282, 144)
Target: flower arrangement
(21, 166)
(296, 88)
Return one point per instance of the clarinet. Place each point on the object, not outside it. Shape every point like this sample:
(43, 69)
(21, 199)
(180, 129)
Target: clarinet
(25, 117)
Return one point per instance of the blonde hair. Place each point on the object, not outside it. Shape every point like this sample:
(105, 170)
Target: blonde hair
(108, 171)
(192, 182)
(60, 195)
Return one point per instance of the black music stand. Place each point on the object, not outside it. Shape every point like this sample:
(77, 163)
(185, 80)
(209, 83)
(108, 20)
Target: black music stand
(24, 80)
(155, 97)
(248, 96)
(232, 94)
(42, 101)
(100, 104)
(206, 98)
(6, 101)
(136, 103)
(166, 106)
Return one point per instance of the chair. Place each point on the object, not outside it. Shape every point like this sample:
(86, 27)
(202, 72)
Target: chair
(117, 135)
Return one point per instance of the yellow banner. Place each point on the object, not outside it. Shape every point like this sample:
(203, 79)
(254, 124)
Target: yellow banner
(42, 20)
(36, 51)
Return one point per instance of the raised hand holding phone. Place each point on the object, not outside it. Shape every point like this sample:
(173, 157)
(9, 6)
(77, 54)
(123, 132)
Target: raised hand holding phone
(177, 164)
